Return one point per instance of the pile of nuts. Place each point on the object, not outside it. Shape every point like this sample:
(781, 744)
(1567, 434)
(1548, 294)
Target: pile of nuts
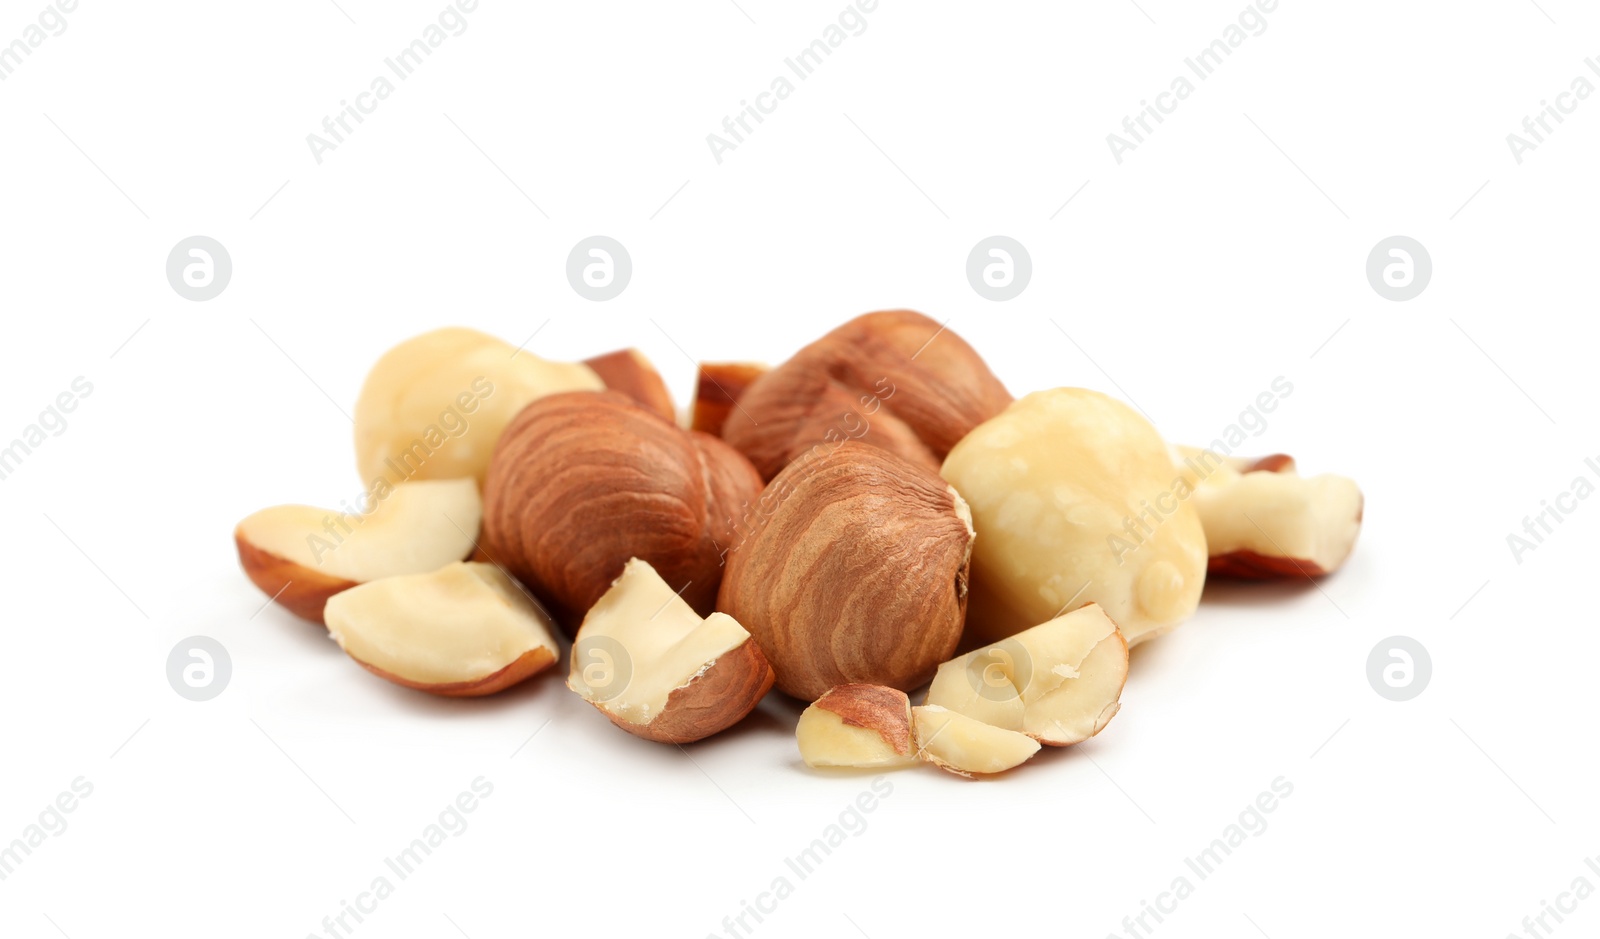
(875, 514)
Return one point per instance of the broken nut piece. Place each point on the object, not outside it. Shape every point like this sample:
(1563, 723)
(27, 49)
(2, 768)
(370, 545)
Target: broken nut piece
(629, 372)
(968, 747)
(894, 379)
(463, 630)
(717, 391)
(647, 661)
(854, 570)
(857, 725)
(1264, 521)
(1058, 682)
(300, 555)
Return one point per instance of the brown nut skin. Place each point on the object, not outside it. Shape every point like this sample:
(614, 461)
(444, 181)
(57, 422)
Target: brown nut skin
(629, 372)
(854, 570)
(893, 379)
(716, 699)
(581, 482)
(301, 590)
(884, 711)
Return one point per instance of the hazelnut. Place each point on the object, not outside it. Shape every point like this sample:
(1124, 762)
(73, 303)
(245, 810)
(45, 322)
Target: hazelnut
(629, 372)
(1264, 521)
(1058, 682)
(433, 406)
(1072, 495)
(648, 662)
(895, 380)
(968, 747)
(852, 568)
(300, 556)
(857, 725)
(581, 482)
(463, 630)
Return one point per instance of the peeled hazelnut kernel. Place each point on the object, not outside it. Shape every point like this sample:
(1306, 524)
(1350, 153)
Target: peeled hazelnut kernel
(463, 630)
(894, 379)
(1058, 682)
(582, 482)
(300, 555)
(968, 747)
(853, 569)
(1265, 521)
(629, 372)
(717, 391)
(433, 406)
(1072, 494)
(857, 725)
(648, 662)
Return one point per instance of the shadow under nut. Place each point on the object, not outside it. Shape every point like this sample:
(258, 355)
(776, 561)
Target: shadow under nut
(855, 570)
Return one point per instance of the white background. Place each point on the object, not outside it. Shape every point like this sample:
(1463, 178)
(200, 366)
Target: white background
(1223, 252)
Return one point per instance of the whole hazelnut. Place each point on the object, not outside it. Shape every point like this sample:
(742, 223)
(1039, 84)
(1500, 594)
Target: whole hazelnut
(895, 379)
(852, 568)
(581, 482)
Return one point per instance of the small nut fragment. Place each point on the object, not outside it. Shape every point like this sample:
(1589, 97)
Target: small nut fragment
(648, 662)
(857, 725)
(433, 406)
(1072, 496)
(629, 372)
(894, 379)
(968, 747)
(1264, 521)
(300, 555)
(582, 482)
(1058, 682)
(717, 392)
(855, 570)
(463, 630)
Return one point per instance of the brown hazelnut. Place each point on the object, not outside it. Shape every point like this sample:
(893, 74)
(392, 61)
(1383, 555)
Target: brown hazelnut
(852, 568)
(895, 380)
(582, 482)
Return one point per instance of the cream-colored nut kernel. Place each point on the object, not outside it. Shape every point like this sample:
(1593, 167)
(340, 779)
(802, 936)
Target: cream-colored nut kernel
(968, 747)
(647, 661)
(434, 406)
(463, 630)
(857, 725)
(1058, 682)
(1263, 520)
(300, 555)
(1072, 497)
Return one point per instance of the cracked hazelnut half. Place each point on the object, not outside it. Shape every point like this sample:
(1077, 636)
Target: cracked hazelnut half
(852, 568)
(1264, 521)
(894, 379)
(648, 662)
(300, 555)
(1072, 496)
(1058, 682)
(857, 725)
(967, 747)
(463, 630)
(582, 482)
